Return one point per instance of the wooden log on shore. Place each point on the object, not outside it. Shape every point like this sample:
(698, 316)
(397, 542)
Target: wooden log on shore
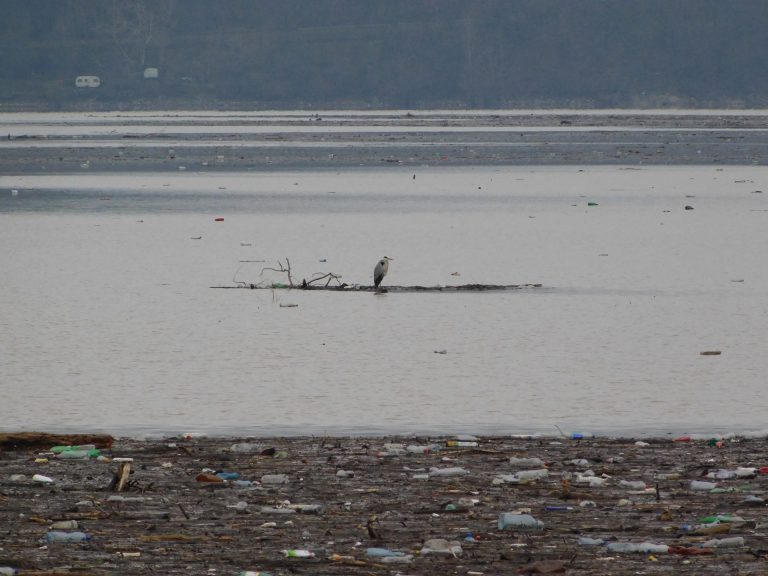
(36, 440)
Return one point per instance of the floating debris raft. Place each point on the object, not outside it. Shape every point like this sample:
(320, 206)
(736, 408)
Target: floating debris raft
(570, 504)
(360, 288)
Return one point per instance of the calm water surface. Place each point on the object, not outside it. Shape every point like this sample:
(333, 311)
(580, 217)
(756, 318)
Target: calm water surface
(108, 320)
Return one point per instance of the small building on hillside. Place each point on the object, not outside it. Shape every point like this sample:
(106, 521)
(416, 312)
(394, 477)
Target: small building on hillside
(87, 82)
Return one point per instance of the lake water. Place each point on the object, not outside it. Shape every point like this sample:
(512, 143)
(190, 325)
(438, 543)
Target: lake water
(108, 318)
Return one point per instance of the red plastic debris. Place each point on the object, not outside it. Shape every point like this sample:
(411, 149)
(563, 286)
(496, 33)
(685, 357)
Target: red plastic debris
(689, 551)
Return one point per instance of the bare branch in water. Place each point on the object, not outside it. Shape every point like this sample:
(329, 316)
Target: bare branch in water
(284, 269)
(329, 277)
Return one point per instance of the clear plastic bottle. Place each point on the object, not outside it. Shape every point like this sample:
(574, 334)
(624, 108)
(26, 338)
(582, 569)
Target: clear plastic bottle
(383, 552)
(641, 548)
(58, 536)
(64, 525)
(246, 447)
(733, 542)
(510, 520)
(404, 559)
(632, 484)
(441, 546)
(447, 472)
(530, 475)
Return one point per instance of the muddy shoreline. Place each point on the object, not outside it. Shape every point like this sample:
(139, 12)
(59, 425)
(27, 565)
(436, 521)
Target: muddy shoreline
(335, 497)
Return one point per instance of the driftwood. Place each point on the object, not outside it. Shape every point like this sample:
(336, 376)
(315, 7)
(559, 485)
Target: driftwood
(359, 288)
(36, 440)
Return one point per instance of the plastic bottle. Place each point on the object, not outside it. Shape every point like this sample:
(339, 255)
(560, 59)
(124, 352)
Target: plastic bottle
(8, 571)
(393, 449)
(591, 480)
(273, 510)
(519, 522)
(752, 500)
(717, 518)
(308, 508)
(586, 541)
(120, 498)
(642, 548)
(57, 536)
(60, 449)
(242, 483)
(529, 475)
(502, 478)
(734, 542)
(447, 472)
(43, 479)
(293, 553)
(254, 573)
(228, 475)
(421, 449)
(632, 484)
(246, 447)
(461, 443)
(701, 485)
(383, 552)
(404, 559)
(441, 546)
(65, 525)
(79, 454)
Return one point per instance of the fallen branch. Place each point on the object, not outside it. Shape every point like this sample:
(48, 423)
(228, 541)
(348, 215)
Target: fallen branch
(331, 276)
(285, 269)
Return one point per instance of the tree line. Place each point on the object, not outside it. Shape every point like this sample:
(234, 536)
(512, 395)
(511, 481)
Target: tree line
(389, 54)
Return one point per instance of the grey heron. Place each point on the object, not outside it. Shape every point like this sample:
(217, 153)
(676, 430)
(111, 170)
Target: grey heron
(382, 266)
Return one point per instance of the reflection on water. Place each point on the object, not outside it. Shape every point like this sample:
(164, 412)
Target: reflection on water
(108, 320)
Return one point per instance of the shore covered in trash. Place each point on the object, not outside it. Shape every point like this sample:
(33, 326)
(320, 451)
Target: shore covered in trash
(385, 505)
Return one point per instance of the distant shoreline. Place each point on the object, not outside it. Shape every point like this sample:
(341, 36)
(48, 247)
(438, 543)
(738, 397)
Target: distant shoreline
(35, 144)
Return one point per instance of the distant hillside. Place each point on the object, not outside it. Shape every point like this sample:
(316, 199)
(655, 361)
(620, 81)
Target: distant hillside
(383, 53)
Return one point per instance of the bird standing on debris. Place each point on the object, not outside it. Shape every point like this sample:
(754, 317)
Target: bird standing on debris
(382, 267)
